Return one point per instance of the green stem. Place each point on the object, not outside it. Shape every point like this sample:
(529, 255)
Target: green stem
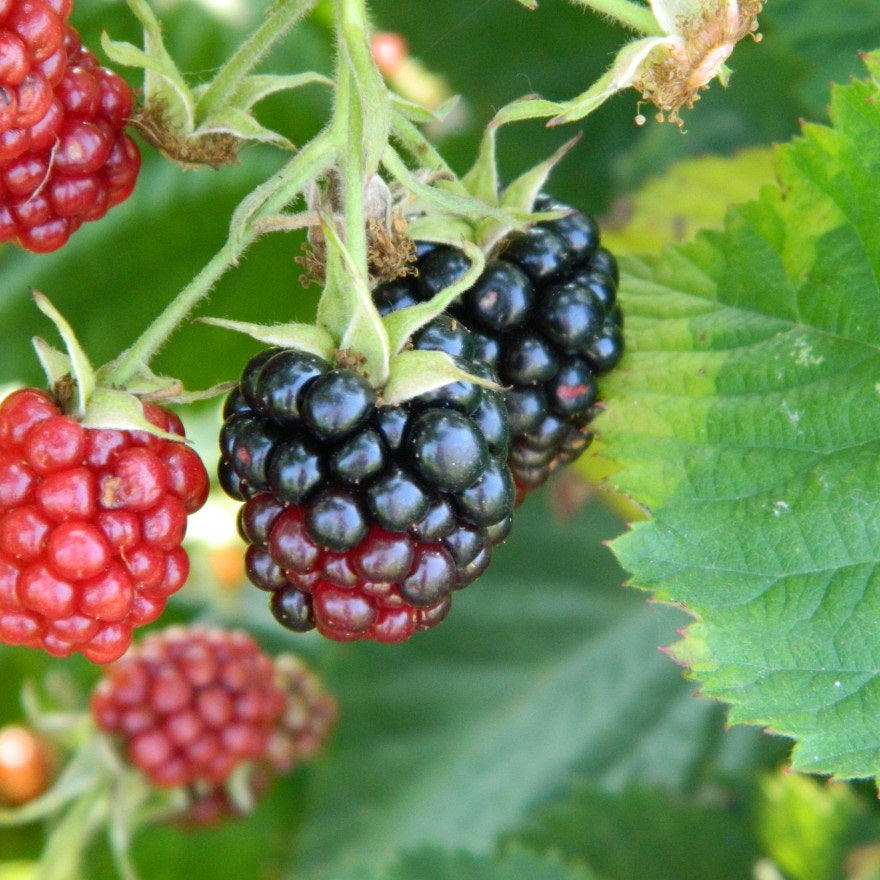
(417, 145)
(348, 123)
(152, 339)
(279, 191)
(279, 20)
(632, 15)
(62, 857)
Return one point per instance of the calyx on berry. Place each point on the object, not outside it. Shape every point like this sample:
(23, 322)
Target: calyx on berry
(205, 125)
(90, 395)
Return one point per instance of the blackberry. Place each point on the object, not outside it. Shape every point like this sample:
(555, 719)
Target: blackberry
(352, 508)
(544, 318)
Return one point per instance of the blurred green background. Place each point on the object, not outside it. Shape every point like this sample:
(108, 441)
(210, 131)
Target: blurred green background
(541, 714)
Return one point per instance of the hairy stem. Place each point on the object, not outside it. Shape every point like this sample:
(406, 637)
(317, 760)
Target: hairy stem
(631, 15)
(349, 125)
(279, 20)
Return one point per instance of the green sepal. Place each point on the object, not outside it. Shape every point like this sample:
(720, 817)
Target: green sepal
(109, 408)
(190, 114)
(348, 303)
(585, 103)
(242, 126)
(56, 364)
(412, 373)
(402, 324)
(524, 108)
(163, 82)
(519, 196)
(255, 87)
(81, 369)
(303, 337)
(440, 199)
(431, 227)
(418, 112)
(481, 179)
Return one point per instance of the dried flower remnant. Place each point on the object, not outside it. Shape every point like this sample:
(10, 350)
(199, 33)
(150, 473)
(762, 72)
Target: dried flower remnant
(687, 48)
(676, 68)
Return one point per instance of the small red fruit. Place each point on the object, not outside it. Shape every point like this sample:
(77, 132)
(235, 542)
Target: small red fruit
(25, 765)
(191, 704)
(64, 156)
(91, 522)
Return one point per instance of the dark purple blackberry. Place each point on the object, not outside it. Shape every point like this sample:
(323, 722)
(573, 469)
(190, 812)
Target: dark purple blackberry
(544, 317)
(354, 512)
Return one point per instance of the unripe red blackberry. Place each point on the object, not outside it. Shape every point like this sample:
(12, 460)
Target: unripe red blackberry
(363, 519)
(64, 156)
(191, 704)
(544, 317)
(91, 522)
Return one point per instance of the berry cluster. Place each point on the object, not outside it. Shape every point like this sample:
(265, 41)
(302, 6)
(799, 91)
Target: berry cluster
(64, 157)
(91, 522)
(191, 704)
(362, 519)
(544, 318)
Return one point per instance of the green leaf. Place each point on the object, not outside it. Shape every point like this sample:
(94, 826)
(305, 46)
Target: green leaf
(806, 825)
(651, 834)
(689, 196)
(746, 415)
(544, 670)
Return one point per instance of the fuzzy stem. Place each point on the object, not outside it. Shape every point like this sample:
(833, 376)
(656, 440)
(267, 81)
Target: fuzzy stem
(62, 857)
(282, 188)
(415, 143)
(349, 125)
(152, 339)
(279, 20)
(630, 15)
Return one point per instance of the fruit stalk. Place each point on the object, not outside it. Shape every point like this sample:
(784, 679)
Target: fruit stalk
(353, 144)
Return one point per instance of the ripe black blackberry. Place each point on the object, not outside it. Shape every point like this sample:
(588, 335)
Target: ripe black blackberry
(362, 519)
(544, 318)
